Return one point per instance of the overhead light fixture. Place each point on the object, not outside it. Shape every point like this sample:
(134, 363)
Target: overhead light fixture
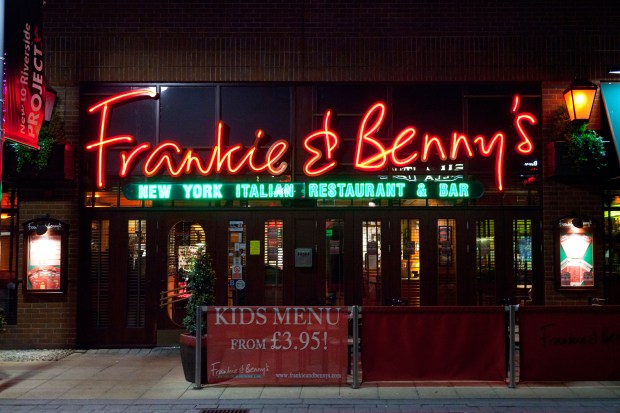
(579, 97)
(41, 229)
(614, 70)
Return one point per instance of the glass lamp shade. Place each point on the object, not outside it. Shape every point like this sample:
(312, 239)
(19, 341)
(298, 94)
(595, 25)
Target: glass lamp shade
(579, 99)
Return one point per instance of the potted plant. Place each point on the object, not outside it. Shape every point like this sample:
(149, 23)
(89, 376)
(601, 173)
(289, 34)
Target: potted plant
(587, 150)
(201, 285)
(51, 143)
(577, 152)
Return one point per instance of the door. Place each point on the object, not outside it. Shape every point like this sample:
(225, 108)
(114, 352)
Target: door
(320, 267)
(183, 240)
(309, 279)
(410, 276)
(485, 288)
(118, 291)
(371, 248)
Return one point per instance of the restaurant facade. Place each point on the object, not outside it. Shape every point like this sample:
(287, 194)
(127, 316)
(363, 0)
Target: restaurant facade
(366, 156)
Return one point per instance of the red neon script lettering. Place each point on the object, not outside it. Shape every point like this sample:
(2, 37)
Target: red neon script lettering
(162, 157)
(331, 142)
(372, 155)
(525, 146)
(104, 140)
(322, 145)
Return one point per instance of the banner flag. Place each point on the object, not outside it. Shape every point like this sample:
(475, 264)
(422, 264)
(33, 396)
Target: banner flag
(24, 86)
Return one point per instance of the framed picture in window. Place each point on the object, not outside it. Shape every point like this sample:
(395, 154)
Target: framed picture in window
(45, 258)
(575, 268)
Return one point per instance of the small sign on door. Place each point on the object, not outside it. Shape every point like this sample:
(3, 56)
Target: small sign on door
(303, 257)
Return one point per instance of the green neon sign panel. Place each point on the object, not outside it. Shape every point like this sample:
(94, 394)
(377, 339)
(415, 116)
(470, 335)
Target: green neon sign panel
(307, 190)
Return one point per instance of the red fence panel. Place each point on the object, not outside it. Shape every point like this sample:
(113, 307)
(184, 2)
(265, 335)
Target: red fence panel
(569, 343)
(433, 343)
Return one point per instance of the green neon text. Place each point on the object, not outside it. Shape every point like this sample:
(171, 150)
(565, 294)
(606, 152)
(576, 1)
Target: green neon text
(356, 190)
(454, 190)
(249, 191)
(154, 191)
(203, 191)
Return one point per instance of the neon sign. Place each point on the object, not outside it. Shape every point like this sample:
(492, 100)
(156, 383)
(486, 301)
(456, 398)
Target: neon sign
(322, 145)
(298, 190)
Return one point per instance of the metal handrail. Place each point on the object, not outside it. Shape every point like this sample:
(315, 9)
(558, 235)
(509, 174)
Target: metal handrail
(170, 297)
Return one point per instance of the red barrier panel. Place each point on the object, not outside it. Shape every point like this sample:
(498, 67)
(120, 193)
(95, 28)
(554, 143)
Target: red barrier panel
(277, 345)
(569, 343)
(433, 343)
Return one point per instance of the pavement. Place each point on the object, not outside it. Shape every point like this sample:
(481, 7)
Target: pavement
(151, 380)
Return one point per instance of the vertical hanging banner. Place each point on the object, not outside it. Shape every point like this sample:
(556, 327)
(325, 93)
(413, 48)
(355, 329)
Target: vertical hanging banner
(277, 345)
(24, 87)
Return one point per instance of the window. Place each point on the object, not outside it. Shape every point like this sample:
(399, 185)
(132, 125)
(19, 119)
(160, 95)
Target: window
(522, 255)
(8, 256)
(237, 254)
(334, 261)
(183, 240)
(446, 261)
(248, 108)
(99, 276)
(410, 261)
(273, 259)
(136, 273)
(485, 262)
(371, 264)
(187, 115)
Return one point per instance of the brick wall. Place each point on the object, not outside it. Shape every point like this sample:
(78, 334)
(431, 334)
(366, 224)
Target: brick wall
(49, 320)
(279, 40)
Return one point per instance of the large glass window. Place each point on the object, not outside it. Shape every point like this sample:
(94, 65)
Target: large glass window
(371, 266)
(99, 276)
(237, 254)
(136, 273)
(522, 256)
(274, 261)
(446, 262)
(612, 251)
(485, 262)
(248, 108)
(183, 240)
(8, 257)
(187, 115)
(334, 261)
(410, 262)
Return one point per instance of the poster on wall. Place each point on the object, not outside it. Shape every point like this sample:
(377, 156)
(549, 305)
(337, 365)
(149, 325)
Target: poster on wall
(575, 240)
(277, 345)
(45, 247)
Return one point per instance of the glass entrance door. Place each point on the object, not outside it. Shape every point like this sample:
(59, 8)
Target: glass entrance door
(485, 262)
(274, 261)
(446, 262)
(334, 261)
(371, 264)
(410, 262)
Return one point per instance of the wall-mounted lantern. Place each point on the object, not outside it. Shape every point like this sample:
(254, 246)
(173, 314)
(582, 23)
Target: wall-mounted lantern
(579, 97)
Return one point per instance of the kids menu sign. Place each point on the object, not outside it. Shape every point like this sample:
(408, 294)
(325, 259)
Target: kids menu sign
(320, 150)
(277, 345)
